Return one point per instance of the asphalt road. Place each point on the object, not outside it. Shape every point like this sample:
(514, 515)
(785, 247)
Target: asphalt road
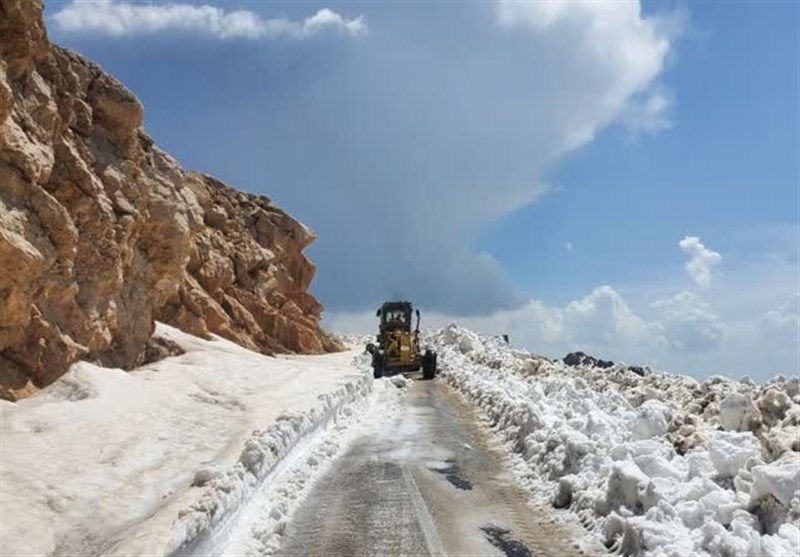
(429, 482)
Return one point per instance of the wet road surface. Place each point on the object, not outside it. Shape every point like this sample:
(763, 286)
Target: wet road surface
(429, 482)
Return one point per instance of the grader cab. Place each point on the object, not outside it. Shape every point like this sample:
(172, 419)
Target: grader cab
(398, 348)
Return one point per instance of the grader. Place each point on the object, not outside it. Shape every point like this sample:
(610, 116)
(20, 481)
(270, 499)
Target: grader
(398, 348)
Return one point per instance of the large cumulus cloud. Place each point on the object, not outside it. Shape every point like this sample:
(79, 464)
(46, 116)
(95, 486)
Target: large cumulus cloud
(420, 140)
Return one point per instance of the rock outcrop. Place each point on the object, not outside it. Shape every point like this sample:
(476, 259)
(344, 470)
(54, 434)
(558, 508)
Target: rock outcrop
(578, 359)
(583, 360)
(102, 233)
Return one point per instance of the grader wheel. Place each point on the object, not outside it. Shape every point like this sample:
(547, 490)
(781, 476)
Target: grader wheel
(428, 365)
(378, 364)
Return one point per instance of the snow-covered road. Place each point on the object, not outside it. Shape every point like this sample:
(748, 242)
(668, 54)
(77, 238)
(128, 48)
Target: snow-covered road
(426, 481)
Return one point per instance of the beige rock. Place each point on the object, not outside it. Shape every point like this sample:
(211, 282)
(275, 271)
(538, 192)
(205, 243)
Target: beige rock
(21, 264)
(22, 35)
(6, 97)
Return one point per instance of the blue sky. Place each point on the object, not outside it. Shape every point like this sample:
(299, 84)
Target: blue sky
(729, 162)
(531, 168)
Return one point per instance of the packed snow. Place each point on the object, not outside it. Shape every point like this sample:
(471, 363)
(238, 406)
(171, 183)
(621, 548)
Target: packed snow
(145, 462)
(257, 526)
(655, 464)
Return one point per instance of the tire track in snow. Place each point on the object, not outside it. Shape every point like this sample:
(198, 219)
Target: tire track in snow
(426, 523)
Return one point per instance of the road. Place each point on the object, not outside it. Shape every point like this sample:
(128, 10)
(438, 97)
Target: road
(428, 482)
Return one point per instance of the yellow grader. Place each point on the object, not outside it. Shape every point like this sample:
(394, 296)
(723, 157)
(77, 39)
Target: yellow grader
(398, 348)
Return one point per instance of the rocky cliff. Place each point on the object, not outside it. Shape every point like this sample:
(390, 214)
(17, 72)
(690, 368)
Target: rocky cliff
(102, 233)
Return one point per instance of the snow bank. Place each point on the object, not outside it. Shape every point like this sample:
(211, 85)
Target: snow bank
(655, 464)
(730, 451)
(106, 461)
(258, 528)
(354, 342)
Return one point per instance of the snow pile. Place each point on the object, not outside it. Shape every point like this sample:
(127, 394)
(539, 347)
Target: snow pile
(738, 412)
(655, 463)
(260, 458)
(354, 342)
(106, 461)
(260, 526)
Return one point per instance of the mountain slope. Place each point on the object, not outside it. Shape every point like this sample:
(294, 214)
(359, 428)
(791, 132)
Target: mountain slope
(101, 232)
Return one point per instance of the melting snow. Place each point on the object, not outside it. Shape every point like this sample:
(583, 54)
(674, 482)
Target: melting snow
(658, 464)
(107, 461)
(153, 461)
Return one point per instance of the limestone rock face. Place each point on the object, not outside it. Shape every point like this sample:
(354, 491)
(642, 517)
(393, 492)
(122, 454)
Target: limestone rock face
(101, 232)
(247, 278)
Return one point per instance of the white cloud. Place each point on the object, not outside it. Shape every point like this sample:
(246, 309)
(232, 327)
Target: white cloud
(783, 323)
(604, 319)
(688, 323)
(119, 18)
(326, 18)
(702, 261)
(612, 46)
(648, 114)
